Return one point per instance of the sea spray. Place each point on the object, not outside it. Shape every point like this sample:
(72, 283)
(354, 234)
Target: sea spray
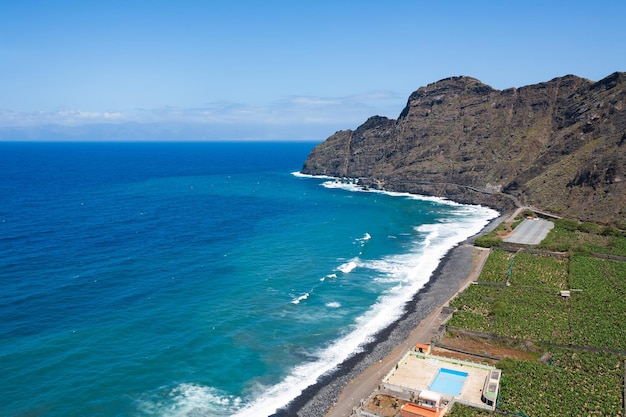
(349, 266)
(163, 279)
(408, 272)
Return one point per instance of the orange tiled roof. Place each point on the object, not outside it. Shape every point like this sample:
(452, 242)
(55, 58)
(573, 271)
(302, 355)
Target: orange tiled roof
(414, 410)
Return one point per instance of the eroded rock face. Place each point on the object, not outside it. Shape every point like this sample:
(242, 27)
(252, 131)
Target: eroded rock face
(558, 145)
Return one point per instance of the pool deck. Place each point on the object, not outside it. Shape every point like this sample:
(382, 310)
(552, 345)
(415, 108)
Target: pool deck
(415, 372)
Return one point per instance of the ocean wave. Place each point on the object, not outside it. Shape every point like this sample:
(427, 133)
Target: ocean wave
(300, 298)
(342, 185)
(348, 267)
(412, 271)
(335, 182)
(388, 266)
(431, 231)
(329, 276)
(351, 186)
(363, 240)
(409, 272)
(189, 399)
(301, 175)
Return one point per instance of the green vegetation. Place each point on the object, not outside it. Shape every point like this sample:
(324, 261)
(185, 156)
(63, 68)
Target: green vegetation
(488, 241)
(495, 269)
(459, 410)
(571, 384)
(474, 308)
(532, 314)
(620, 224)
(586, 379)
(549, 272)
(514, 312)
(599, 308)
(559, 240)
(491, 239)
(570, 236)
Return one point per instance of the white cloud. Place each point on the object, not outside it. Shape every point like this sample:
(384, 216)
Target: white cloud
(293, 117)
(313, 101)
(292, 110)
(11, 118)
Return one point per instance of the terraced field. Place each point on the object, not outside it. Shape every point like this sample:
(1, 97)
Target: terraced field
(572, 350)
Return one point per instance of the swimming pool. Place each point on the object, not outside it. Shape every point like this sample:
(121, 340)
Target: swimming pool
(448, 381)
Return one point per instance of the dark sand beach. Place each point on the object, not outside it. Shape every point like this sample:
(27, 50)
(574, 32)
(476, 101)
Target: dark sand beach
(336, 393)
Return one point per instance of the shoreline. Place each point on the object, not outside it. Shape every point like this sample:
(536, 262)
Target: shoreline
(337, 393)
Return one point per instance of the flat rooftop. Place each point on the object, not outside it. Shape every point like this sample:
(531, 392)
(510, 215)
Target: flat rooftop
(416, 372)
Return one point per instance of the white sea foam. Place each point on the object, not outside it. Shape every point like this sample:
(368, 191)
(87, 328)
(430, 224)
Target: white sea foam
(411, 271)
(363, 240)
(348, 267)
(190, 399)
(351, 186)
(301, 298)
(431, 230)
(301, 175)
(391, 266)
(342, 185)
(407, 272)
(329, 276)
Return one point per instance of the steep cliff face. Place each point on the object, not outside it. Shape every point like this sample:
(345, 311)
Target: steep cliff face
(558, 145)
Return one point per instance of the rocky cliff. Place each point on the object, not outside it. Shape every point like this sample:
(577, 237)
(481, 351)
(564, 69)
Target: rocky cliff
(558, 146)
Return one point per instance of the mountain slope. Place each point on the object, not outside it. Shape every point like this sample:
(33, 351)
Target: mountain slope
(558, 145)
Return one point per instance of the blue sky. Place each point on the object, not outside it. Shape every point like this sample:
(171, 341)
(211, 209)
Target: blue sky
(275, 69)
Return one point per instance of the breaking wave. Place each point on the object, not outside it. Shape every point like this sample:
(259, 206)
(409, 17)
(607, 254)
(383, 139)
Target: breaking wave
(348, 267)
(300, 298)
(409, 272)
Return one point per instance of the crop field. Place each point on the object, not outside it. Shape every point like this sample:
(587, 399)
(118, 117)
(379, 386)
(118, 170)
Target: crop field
(549, 272)
(599, 308)
(568, 384)
(533, 314)
(587, 379)
(495, 269)
(532, 309)
(520, 313)
(461, 411)
(474, 307)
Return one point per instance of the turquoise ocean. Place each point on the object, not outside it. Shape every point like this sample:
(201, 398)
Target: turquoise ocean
(196, 279)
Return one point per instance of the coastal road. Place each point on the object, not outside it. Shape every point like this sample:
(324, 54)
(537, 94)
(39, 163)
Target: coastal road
(360, 388)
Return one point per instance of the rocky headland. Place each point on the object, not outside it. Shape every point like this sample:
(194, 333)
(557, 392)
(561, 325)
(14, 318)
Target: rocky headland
(559, 146)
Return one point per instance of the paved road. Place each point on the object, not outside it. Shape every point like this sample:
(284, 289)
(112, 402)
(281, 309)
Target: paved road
(530, 232)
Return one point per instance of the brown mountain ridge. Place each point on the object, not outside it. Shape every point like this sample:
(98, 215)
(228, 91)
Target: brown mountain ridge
(557, 146)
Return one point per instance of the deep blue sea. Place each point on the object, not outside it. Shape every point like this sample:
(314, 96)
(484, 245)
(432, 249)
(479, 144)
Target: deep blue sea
(196, 279)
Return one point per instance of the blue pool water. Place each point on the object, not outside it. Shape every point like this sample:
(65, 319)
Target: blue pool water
(448, 381)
